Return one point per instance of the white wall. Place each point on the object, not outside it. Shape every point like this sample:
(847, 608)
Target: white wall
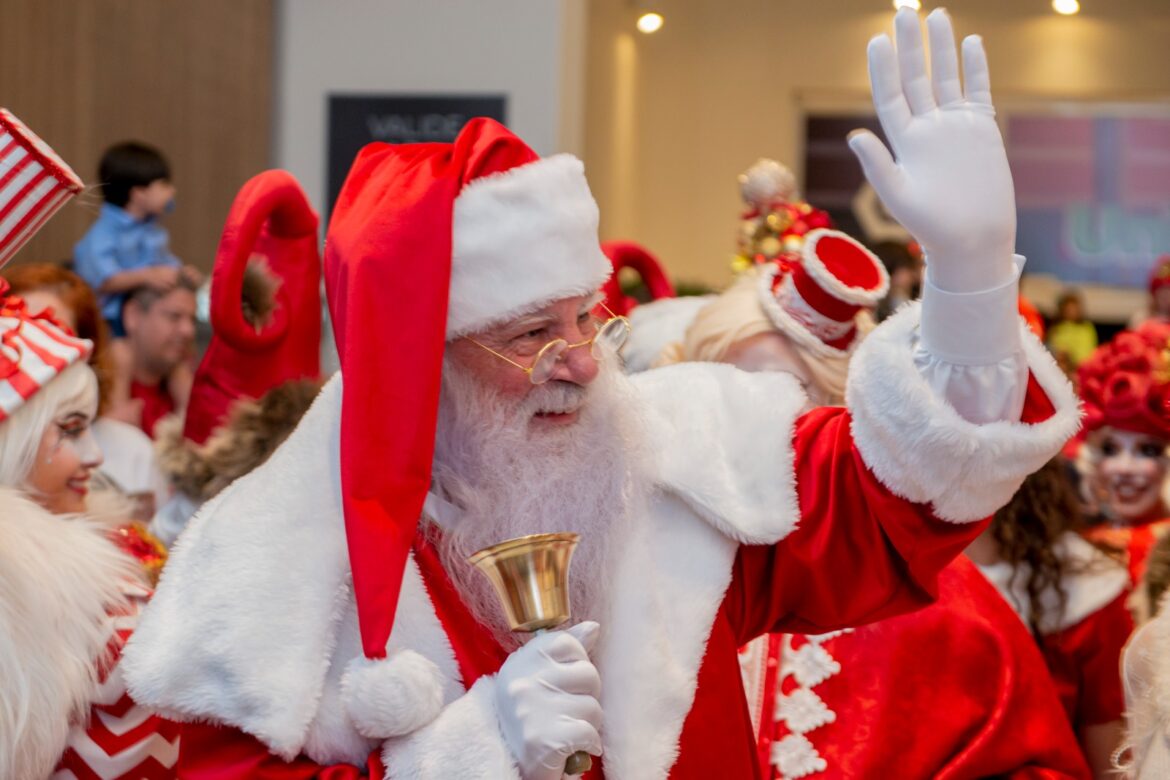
(530, 50)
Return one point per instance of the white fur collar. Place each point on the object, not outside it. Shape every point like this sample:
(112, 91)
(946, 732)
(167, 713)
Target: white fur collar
(734, 468)
(60, 577)
(1093, 582)
(263, 570)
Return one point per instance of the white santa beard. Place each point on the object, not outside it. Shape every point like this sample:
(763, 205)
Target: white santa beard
(511, 479)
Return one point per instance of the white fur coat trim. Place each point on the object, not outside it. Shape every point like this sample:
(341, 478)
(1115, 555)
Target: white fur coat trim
(521, 239)
(463, 742)
(1094, 580)
(923, 450)
(249, 642)
(60, 578)
(724, 442)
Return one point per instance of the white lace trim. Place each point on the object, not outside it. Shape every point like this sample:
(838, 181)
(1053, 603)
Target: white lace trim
(811, 665)
(802, 710)
(794, 756)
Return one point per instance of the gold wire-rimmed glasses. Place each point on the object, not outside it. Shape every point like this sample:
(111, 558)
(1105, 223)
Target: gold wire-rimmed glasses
(609, 338)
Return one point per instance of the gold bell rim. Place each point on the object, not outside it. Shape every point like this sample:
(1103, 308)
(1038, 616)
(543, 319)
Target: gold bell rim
(519, 542)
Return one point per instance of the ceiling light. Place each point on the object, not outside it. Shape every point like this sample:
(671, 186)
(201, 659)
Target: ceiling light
(650, 22)
(1066, 7)
(912, 4)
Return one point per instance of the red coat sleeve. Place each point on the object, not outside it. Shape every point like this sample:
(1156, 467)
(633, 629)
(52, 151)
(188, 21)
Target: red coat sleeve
(209, 752)
(859, 553)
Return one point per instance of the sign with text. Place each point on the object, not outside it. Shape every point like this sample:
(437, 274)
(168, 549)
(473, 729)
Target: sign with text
(356, 120)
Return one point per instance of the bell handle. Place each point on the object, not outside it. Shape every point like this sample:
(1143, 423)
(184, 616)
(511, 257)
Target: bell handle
(579, 763)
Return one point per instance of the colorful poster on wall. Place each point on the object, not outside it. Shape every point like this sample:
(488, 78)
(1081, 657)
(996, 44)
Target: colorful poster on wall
(356, 120)
(1092, 188)
(1093, 194)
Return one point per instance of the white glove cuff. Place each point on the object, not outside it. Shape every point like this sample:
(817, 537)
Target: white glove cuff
(972, 329)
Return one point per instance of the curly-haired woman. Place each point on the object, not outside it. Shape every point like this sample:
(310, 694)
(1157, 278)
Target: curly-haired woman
(1072, 597)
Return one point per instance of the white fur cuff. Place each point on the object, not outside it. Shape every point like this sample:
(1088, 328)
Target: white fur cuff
(920, 448)
(393, 696)
(464, 741)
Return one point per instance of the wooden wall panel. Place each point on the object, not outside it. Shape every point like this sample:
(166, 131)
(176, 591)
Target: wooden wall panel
(192, 78)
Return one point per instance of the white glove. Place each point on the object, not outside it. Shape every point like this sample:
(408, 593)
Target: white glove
(951, 186)
(547, 701)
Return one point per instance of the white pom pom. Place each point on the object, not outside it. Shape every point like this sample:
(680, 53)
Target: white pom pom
(393, 696)
(766, 181)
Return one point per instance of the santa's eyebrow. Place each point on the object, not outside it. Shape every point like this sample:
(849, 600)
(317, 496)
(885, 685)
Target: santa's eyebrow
(592, 301)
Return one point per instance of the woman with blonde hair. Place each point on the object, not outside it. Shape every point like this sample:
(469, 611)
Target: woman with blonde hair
(70, 590)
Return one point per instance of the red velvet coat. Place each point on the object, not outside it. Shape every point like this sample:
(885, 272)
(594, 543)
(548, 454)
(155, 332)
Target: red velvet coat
(955, 690)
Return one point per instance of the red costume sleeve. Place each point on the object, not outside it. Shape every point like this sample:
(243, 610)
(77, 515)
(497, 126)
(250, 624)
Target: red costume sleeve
(208, 752)
(859, 554)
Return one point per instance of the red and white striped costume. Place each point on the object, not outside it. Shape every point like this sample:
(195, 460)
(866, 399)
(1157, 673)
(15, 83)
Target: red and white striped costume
(34, 183)
(121, 739)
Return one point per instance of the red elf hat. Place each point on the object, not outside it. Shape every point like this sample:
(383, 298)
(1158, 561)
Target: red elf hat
(429, 242)
(269, 248)
(815, 297)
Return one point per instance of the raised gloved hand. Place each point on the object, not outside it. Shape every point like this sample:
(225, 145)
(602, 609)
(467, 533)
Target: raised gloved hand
(950, 184)
(547, 701)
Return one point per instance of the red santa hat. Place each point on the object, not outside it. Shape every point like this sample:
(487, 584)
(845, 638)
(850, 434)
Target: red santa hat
(33, 350)
(627, 254)
(429, 242)
(265, 302)
(1125, 384)
(34, 184)
(816, 296)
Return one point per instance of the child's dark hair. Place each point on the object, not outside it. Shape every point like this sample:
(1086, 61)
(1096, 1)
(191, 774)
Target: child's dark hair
(128, 165)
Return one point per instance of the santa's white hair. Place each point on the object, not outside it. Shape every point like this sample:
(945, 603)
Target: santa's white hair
(511, 479)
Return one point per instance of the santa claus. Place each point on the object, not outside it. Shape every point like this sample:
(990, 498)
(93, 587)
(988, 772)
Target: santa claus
(316, 621)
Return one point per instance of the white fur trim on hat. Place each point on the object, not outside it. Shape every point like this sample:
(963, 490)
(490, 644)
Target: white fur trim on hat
(815, 267)
(521, 239)
(923, 450)
(392, 696)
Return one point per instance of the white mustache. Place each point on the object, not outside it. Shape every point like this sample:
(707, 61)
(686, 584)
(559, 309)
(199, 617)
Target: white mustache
(555, 397)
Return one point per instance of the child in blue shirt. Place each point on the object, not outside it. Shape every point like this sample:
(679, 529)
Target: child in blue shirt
(126, 248)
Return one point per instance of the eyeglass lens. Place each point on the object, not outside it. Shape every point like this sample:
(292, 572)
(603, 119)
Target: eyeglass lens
(546, 361)
(611, 337)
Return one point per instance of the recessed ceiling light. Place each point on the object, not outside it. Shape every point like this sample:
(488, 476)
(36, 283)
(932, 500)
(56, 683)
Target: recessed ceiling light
(650, 22)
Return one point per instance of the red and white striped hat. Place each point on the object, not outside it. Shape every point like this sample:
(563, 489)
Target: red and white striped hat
(34, 184)
(33, 350)
(814, 298)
